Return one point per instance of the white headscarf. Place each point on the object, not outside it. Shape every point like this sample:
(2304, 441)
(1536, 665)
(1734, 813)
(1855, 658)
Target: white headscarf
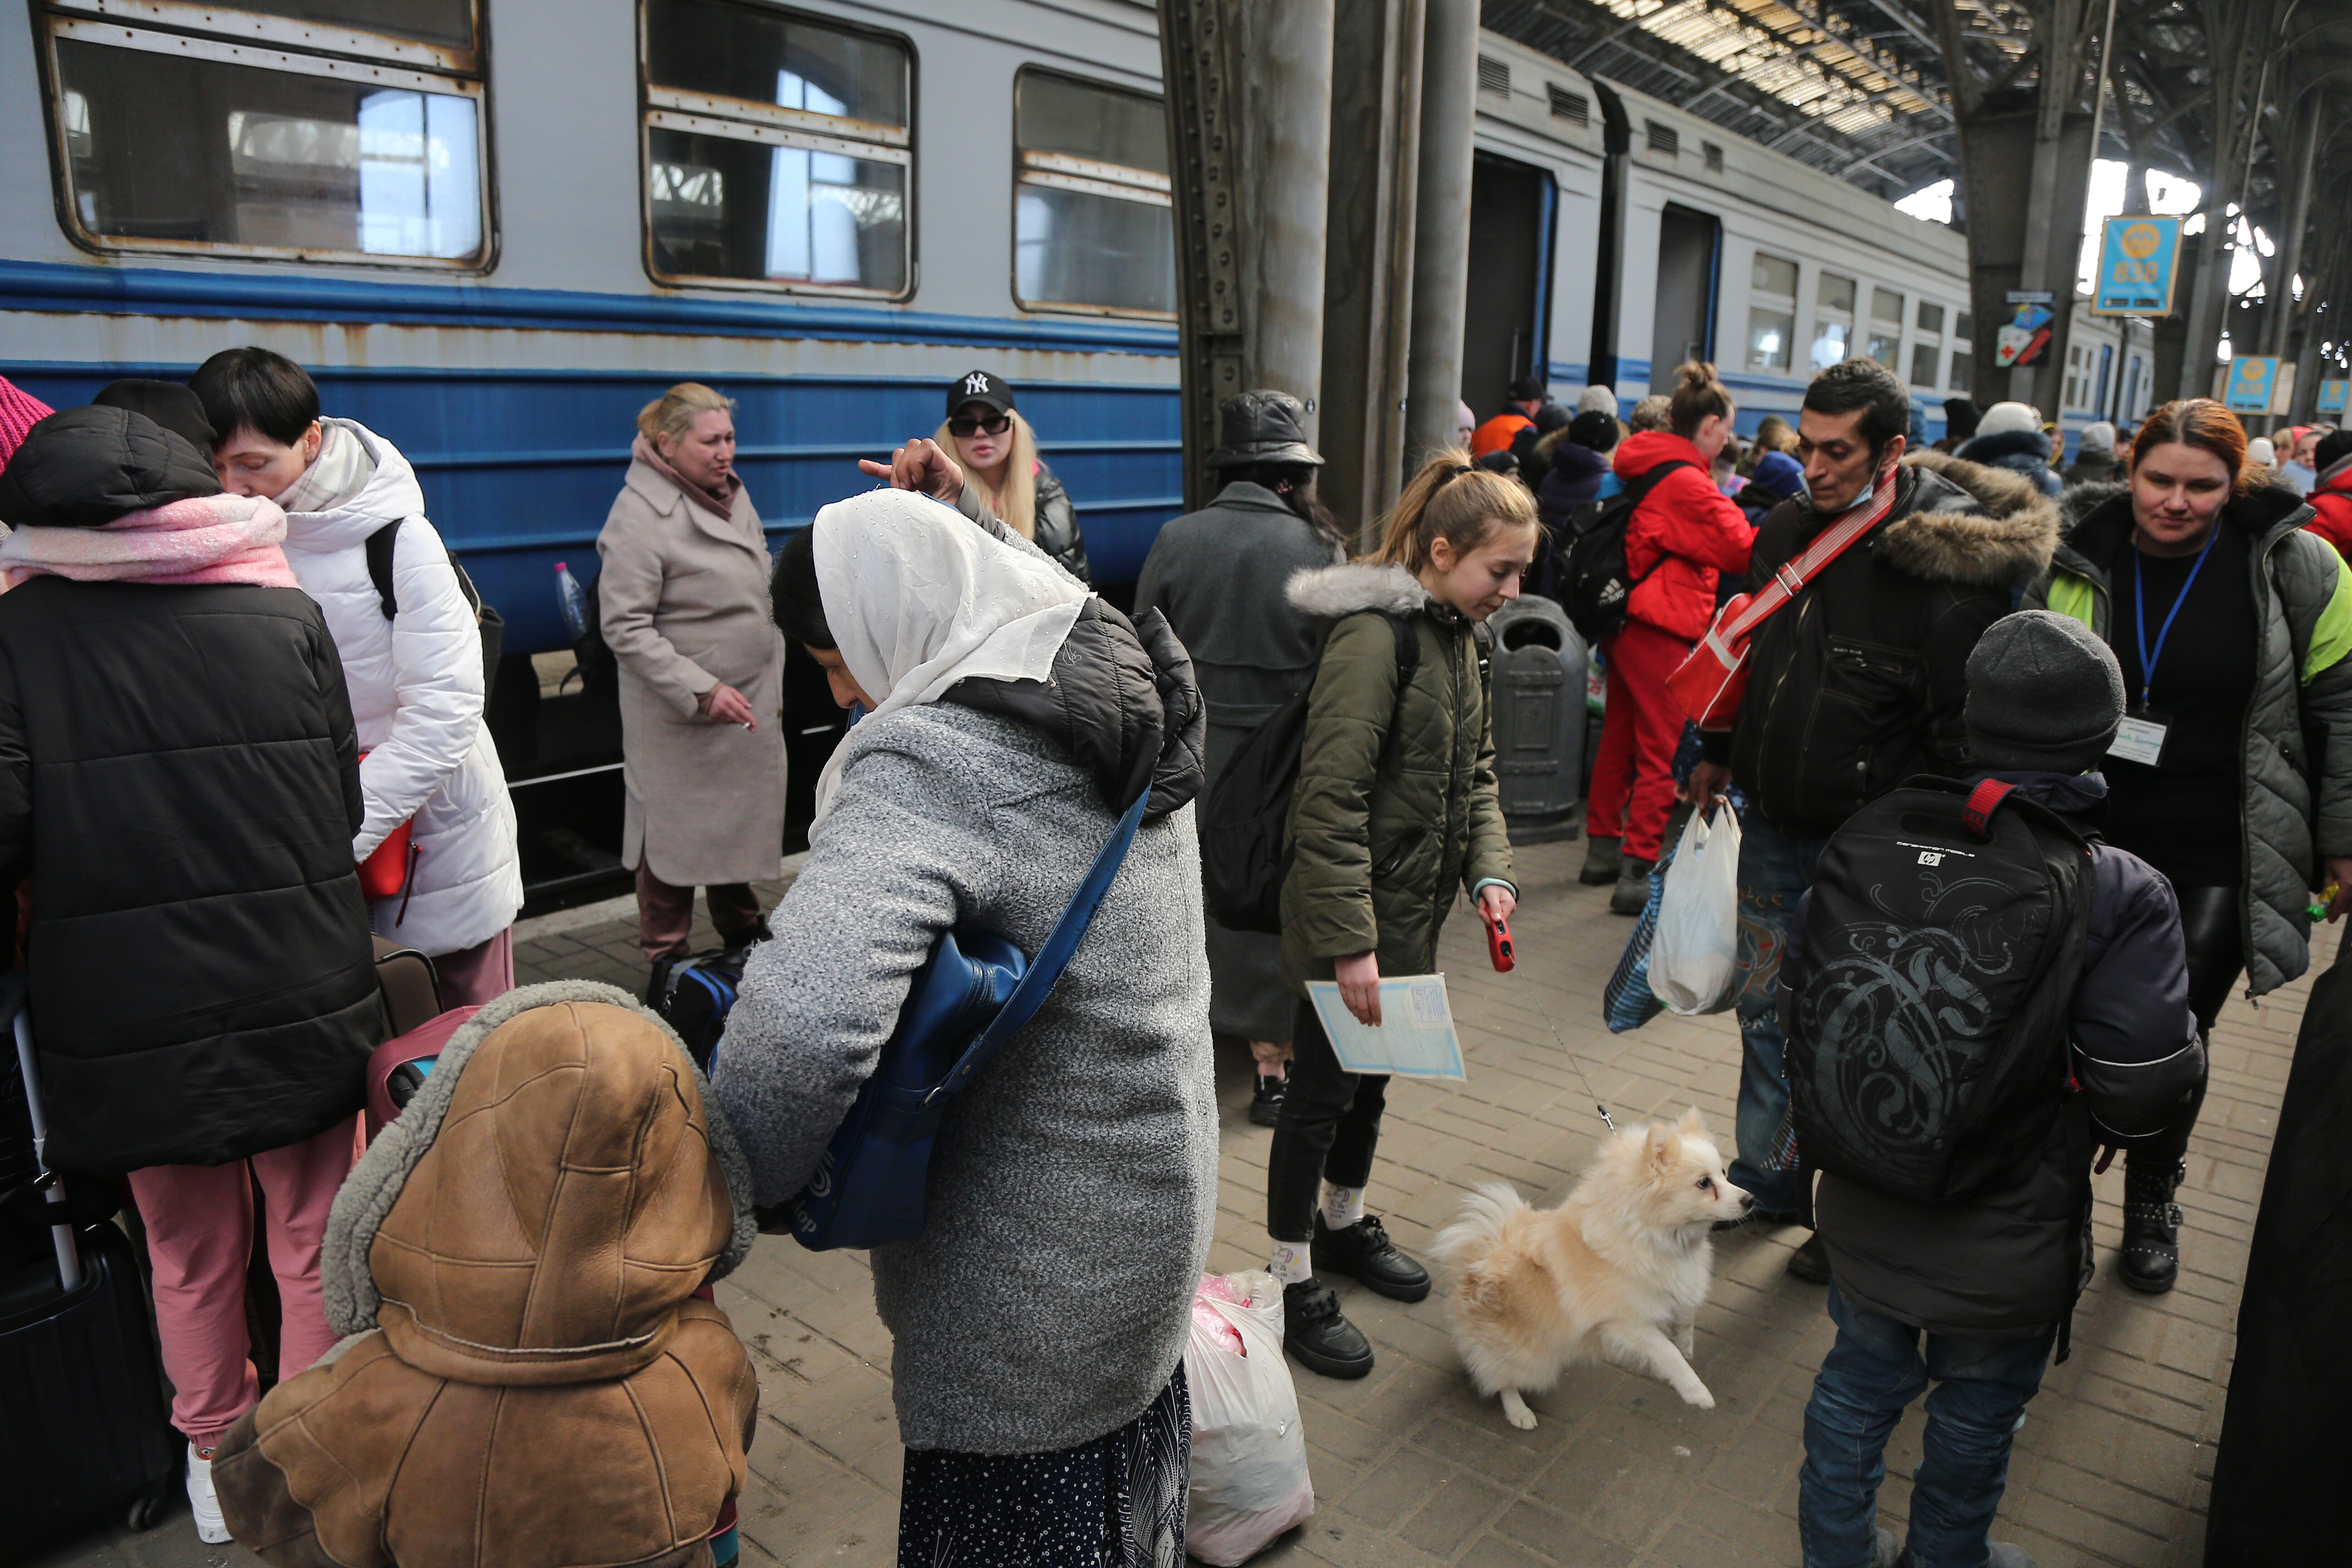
(919, 598)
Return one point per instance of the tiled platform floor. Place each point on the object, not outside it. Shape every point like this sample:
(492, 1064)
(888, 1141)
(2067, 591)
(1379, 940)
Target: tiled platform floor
(1411, 1468)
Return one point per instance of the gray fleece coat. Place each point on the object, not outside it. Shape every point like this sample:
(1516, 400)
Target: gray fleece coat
(1073, 1186)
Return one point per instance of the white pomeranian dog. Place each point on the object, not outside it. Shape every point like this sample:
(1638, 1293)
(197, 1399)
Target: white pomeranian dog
(1619, 1271)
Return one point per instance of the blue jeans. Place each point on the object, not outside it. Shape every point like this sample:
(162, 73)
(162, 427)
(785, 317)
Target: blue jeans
(1869, 1378)
(1774, 872)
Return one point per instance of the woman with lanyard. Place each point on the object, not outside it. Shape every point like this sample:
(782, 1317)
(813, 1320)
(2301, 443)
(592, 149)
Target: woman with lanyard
(2232, 772)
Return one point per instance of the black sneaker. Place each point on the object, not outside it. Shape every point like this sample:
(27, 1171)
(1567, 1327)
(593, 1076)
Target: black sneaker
(1603, 858)
(1365, 1252)
(1811, 1262)
(2150, 1259)
(1265, 1101)
(1314, 1330)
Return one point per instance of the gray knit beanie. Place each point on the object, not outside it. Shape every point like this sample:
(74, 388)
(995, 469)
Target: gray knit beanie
(2044, 695)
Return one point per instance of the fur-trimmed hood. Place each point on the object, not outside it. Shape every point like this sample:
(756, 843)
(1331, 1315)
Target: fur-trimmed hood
(556, 1191)
(1328, 593)
(1972, 525)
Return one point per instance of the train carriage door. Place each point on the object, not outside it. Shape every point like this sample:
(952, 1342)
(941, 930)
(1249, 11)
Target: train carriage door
(1681, 326)
(1505, 329)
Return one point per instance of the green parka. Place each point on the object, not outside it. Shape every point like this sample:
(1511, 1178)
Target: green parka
(1382, 835)
(2297, 802)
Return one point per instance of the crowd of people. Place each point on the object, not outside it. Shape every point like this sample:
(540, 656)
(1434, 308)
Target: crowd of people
(2153, 650)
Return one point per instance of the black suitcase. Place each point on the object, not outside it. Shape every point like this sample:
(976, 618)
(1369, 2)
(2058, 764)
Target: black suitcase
(85, 1429)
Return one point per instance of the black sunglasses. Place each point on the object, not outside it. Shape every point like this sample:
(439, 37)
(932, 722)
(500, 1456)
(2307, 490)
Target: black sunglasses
(966, 424)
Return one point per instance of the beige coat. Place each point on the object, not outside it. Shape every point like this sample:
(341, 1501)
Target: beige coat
(684, 605)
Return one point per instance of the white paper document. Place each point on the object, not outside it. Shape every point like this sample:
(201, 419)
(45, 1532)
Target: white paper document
(1415, 1039)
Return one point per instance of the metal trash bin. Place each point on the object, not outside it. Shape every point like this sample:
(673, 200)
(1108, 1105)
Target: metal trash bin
(1539, 719)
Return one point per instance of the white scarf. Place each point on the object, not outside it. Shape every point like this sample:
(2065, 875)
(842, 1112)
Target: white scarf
(919, 598)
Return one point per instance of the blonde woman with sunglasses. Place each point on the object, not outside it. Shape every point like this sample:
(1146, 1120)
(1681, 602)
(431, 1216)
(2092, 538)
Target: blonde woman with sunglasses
(998, 453)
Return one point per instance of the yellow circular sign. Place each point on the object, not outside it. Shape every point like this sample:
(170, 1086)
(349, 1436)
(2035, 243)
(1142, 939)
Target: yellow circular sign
(2252, 373)
(2140, 240)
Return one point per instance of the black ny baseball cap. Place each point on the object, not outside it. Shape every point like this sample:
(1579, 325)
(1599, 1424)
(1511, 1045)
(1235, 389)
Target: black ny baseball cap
(979, 386)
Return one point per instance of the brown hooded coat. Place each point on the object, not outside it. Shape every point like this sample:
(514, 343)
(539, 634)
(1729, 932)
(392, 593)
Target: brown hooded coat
(541, 1385)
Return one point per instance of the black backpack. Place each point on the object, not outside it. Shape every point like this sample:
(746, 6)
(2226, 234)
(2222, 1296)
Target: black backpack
(1925, 1010)
(493, 625)
(1246, 817)
(1595, 584)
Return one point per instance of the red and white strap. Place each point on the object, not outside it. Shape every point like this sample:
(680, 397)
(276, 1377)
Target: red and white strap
(1827, 546)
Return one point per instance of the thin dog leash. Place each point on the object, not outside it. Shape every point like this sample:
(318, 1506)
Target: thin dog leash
(1579, 1075)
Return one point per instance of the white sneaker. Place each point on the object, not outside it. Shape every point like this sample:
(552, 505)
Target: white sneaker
(203, 1502)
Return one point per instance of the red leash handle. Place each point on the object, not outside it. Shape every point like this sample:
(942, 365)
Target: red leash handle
(1498, 941)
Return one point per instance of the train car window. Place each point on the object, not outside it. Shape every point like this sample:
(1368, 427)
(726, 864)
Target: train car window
(1832, 320)
(778, 150)
(1964, 371)
(1772, 312)
(1886, 328)
(1922, 363)
(338, 130)
(1964, 326)
(1094, 219)
(1931, 317)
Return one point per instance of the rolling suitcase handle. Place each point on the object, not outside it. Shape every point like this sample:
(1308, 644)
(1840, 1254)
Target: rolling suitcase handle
(61, 1234)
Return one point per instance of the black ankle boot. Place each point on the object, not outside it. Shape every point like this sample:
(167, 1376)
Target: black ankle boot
(2150, 1258)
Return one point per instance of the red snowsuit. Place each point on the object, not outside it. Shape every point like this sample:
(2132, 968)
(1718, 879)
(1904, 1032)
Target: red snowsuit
(2331, 497)
(1684, 533)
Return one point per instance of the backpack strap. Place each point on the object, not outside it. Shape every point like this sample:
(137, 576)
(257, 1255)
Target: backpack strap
(1407, 652)
(1983, 801)
(1037, 981)
(379, 548)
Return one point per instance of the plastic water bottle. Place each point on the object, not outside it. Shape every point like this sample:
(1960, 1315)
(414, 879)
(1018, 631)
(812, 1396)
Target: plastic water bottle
(572, 599)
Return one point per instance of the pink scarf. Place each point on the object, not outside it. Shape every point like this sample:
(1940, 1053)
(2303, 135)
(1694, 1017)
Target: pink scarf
(205, 539)
(721, 506)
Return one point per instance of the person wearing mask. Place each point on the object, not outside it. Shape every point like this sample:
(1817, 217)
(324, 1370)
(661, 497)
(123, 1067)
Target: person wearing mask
(2010, 436)
(2095, 457)
(1012, 717)
(180, 782)
(1395, 807)
(2233, 777)
(413, 667)
(1854, 686)
(1777, 478)
(2331, 492)
(1683, 532)
(683, 601)
(2300, 472)
(997, 450)
(1527, 396)
(1218, 574)
(1972, 1294)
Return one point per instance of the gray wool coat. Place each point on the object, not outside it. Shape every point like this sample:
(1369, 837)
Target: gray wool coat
(683, 603)
(1073, 1186)
(1218, 575)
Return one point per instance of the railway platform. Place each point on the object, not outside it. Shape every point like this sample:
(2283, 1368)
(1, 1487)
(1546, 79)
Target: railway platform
(1411, 1468)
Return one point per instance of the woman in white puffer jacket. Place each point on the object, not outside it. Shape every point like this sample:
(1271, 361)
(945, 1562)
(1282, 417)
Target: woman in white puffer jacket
(416, 678)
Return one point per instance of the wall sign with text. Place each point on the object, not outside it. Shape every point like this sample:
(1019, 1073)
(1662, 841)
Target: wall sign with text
(2139, 258)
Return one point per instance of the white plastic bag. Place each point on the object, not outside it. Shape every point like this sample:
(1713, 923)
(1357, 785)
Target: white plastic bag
(1249, 1456)
(1695, 956)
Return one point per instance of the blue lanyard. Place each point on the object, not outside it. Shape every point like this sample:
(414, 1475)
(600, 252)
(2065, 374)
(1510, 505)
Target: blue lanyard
(2149, 657)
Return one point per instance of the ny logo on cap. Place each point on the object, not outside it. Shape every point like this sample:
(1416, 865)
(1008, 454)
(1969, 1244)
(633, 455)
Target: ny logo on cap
(976, 383)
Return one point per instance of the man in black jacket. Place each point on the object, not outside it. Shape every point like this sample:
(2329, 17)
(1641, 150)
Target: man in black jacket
(1971, 1294)
(1854, 685)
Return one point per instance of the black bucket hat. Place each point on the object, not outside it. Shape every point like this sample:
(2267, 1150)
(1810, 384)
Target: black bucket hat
(1261, 427)
(979, 386)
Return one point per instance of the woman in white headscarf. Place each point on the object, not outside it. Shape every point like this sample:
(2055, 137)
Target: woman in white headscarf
(1041, 1318)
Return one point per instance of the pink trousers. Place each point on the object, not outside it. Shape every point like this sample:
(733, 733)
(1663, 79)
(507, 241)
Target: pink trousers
(480, 974)
(199, 1221)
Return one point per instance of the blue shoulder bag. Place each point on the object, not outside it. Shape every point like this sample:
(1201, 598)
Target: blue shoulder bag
(972, 995)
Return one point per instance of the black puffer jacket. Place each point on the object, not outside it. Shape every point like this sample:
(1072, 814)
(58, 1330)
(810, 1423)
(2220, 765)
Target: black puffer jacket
(2004, 1264)
(179, 778)
(1858, 682)
(2023, 452)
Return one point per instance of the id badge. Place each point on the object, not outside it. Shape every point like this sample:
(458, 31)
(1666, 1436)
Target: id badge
(2140, 738)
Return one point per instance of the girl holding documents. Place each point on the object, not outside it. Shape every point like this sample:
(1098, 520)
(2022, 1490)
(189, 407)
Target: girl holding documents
(1394, 809)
